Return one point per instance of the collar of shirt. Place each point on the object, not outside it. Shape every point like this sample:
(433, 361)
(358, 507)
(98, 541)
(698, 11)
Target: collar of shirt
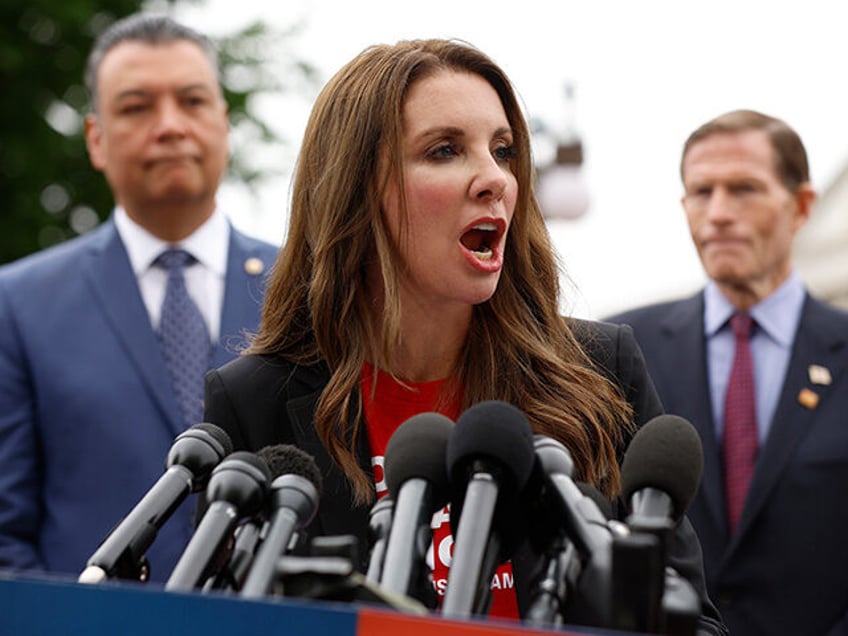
(777, 318)
(208, 243)
(777, 315)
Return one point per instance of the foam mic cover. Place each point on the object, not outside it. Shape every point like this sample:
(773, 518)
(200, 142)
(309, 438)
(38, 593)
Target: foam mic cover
(490, 460)
(285, 459)
(666, 455)
(495, 436)
(417, 449)
(418, 483)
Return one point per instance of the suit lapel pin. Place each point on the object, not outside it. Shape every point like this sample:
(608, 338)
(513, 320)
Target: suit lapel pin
(808, 399)
(819, 375)
(254, 266)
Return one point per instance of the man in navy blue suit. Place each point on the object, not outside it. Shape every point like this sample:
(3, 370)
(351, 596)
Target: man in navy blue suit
(88, 408)
(773, 539)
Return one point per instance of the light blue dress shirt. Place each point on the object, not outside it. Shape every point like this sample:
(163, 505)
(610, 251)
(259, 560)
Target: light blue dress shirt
(776, 319)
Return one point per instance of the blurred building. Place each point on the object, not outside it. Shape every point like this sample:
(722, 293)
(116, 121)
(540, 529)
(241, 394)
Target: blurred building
(561, 187)
(821, 248)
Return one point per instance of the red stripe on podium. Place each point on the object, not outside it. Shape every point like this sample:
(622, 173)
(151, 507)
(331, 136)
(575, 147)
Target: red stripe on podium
(379, 623)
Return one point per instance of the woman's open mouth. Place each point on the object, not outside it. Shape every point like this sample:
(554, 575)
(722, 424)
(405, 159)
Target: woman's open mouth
(480, 239)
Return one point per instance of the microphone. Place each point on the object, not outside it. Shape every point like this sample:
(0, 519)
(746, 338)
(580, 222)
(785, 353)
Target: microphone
(294, 502)
(189, 462)
(660, 476)
(416, 476)
(604, 505)
(237, 488)
(490, 459)
(563, 567)
(281, 459)
(574, 512)
(577, 520)
(661, 471)
(246, 538)
(379, 525)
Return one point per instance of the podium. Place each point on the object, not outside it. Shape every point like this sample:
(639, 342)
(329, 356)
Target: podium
(58, 607)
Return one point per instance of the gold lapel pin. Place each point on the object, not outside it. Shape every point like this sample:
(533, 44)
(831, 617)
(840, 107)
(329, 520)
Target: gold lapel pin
(819, 375)
(808, 398)
(254, 266)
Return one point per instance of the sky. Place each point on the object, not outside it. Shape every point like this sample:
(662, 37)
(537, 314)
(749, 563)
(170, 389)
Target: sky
(645, 73)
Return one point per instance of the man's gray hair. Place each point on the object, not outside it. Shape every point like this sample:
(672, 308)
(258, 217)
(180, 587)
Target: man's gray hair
(147, 28)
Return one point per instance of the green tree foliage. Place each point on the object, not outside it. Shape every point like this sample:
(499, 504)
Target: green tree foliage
(48, 190)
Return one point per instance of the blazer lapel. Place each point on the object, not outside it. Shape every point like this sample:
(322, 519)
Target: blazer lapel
(684, 330)
(116, 289)
(815, 343)
(243, 292)
(335, 512)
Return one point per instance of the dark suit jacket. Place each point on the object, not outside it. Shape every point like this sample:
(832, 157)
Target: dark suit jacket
(263, 400)
(786, 569)
(87, 412)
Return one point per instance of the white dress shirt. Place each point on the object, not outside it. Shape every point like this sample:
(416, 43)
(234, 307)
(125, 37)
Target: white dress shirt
(208, 244)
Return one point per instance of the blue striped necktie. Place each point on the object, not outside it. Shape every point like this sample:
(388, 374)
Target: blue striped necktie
(184, 337)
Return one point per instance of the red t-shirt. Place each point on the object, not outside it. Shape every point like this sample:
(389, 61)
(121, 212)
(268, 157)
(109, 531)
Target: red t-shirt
(392, 405)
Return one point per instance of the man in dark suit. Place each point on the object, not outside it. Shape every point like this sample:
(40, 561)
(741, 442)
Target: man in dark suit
(770, 512)
(90, 401)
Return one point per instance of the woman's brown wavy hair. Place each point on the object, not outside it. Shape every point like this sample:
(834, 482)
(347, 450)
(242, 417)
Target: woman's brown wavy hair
(318, 306)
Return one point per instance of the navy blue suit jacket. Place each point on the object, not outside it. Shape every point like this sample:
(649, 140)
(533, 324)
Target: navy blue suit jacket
(87, 412)
(785, 571)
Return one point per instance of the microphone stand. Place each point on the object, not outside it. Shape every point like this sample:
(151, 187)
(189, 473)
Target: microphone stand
(563, 568)
(681, 606)
(637, 583)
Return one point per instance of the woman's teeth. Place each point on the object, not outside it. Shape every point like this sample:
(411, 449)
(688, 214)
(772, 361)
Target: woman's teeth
(478, 240)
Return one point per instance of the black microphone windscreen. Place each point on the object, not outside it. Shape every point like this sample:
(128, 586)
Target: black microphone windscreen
(417, 449)
(246, 457)
(199, 449)
(241, 479)
(217, 433)
(285, 459)
(664, 454)
(492, 430)
(498, 435)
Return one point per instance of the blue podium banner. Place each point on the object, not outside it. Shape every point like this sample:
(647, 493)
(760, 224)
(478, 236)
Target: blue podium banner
(31, 607)
(59, 607)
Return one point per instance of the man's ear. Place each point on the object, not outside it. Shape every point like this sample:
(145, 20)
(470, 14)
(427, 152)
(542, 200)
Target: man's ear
(94, 142)
(805, 198)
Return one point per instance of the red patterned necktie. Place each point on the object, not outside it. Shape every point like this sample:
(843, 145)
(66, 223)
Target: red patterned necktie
(740, 422)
